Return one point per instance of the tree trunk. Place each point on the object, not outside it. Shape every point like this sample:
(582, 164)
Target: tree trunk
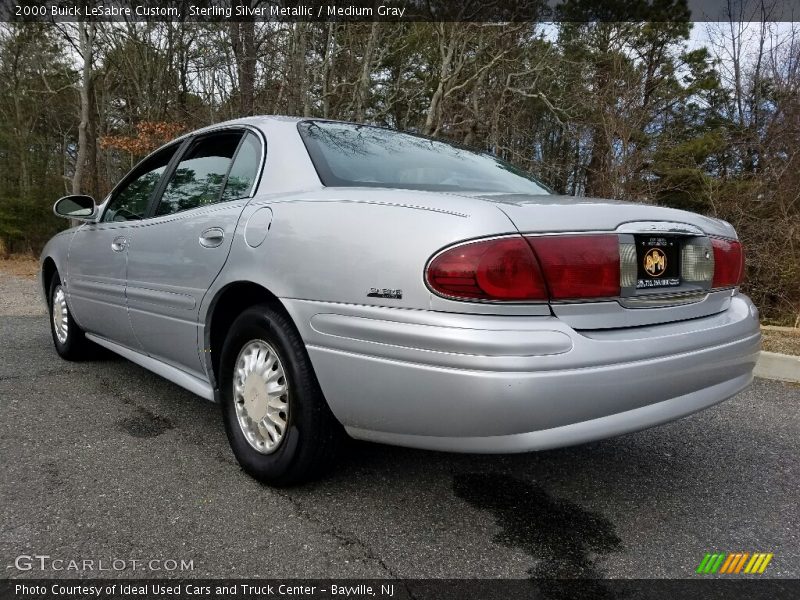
(366, 69)
(599, 168)
(328, 68)
(296, 88)
(305, 97)
(91, 144)
(446, 50)
(244, 52)
(21, 134)
(86, 41)
(598, 171)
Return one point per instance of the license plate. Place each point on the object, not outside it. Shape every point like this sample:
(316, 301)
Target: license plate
(659, 261)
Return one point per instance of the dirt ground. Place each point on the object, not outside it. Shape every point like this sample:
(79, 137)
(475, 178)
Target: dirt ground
(20, 266)
(785, 342)
(19, 291)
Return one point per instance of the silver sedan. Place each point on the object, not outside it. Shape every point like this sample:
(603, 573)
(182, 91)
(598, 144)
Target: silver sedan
(320, 278)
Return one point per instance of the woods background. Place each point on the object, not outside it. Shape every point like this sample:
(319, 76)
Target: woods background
(630, 111)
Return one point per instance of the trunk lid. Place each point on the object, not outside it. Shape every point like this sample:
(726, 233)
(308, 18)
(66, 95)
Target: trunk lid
(637, 225)
(544, 214)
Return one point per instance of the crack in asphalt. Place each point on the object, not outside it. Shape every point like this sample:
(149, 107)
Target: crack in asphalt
(347, 539)
(42, 373)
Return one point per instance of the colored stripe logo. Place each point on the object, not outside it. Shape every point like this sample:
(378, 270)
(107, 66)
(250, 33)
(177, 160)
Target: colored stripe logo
(733, 563)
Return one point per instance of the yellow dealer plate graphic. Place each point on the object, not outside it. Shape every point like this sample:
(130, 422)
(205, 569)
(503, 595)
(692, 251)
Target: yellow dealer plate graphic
(655, 262)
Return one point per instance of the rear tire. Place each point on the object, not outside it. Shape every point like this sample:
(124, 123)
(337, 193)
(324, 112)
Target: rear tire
(278, 423)
(68, 338)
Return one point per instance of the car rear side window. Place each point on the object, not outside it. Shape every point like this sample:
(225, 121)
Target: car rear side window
(130, 202)
(346, 154)
(244, 170)
(199, 177)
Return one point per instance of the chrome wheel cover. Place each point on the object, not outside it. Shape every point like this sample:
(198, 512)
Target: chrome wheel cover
(261, 396)
(60, 315)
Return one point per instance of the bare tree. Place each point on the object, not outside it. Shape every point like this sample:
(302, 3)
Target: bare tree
(86, 33)
(242, 35)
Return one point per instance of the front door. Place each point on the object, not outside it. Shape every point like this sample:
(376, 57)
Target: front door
(96, 284)
(175, 255)
(98, 254)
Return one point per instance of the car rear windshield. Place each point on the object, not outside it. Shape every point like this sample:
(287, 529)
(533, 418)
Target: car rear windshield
(346, 154)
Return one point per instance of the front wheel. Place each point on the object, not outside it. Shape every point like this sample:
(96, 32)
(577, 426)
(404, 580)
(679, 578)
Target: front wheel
(277, 421)
(68, 338)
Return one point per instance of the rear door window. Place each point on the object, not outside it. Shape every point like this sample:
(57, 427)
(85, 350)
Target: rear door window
(200, 175)
(244, 170)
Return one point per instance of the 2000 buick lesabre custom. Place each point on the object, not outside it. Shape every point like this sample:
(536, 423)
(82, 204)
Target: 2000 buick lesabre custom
(320, 277)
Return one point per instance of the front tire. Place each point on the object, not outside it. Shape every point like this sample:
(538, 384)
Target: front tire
(278, 423)
(68, 338)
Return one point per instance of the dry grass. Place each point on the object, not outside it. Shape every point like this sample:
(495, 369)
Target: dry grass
(20, 295)
(19, 265)
(783, 341)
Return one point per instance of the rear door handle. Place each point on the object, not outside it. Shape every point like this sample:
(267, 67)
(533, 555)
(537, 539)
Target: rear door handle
(212, 237)
(119, 244)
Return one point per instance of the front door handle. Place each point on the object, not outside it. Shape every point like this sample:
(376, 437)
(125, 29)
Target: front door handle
(119, 244)
(212, 237)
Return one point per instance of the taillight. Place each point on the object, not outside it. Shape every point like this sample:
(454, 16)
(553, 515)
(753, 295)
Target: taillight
(498, 269)
(529, 268)
(579, 266)
(728, 263)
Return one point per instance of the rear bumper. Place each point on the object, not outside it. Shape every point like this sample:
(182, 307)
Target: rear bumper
(478, 383)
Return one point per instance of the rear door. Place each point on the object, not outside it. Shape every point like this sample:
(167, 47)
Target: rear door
(177, 253)
(98, 253)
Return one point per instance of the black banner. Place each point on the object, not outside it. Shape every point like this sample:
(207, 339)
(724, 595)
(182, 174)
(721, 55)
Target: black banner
(399, 10)
(411, 589)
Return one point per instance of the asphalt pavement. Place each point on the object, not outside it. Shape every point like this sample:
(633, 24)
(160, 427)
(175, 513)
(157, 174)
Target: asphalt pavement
(105, 461)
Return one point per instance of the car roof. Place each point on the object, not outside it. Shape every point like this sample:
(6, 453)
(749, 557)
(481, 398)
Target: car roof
(254, 121)
(260, 120)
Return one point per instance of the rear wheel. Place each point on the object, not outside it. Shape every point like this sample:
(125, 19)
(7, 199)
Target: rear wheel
(277, 421)
(68, 338)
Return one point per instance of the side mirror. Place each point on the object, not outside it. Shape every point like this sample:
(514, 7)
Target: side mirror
(77, 206)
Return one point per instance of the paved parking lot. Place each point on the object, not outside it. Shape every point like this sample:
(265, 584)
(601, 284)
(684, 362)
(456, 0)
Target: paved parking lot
(103, 460)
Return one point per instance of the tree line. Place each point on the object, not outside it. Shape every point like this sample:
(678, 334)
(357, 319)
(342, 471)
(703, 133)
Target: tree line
(627, 110)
